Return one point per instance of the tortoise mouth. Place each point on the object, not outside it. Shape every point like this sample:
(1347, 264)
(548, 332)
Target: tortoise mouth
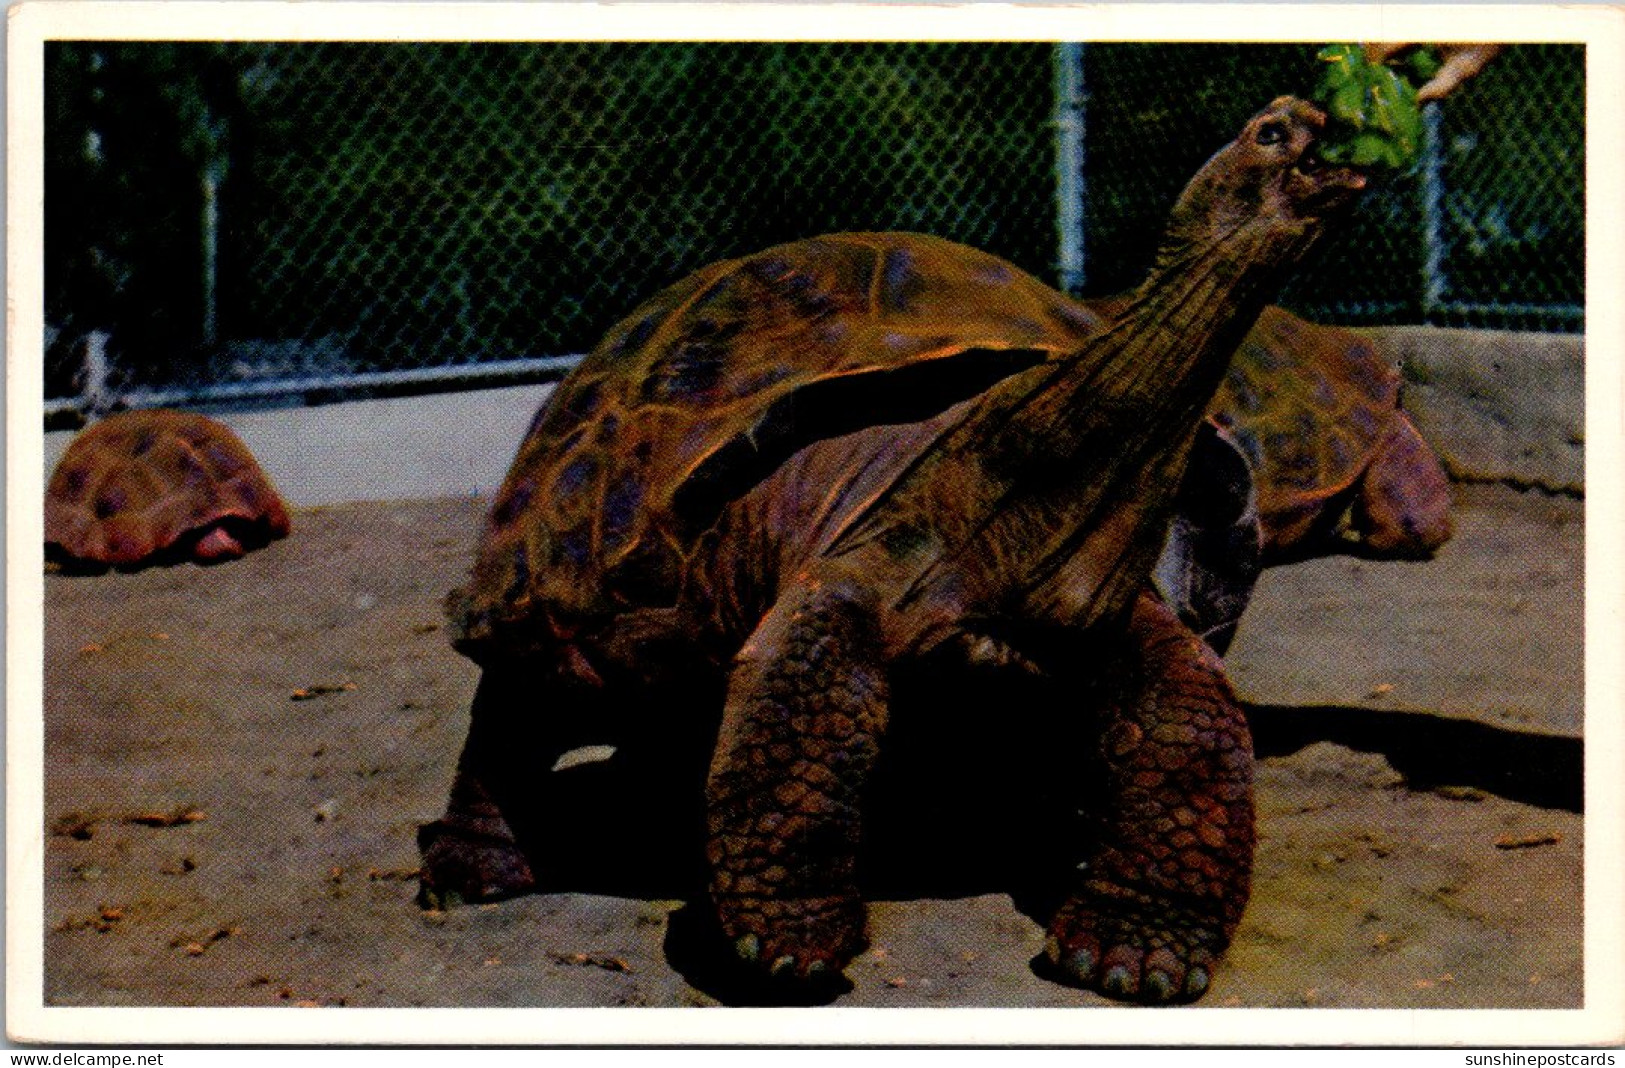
(1317, 188)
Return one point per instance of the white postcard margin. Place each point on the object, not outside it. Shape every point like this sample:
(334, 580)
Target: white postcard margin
(1600, 28)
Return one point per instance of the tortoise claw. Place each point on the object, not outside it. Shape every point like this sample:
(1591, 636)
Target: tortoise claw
(1081, 964)
(1118, 983)
(1157, 986)
(431, 899)
(1150, 956)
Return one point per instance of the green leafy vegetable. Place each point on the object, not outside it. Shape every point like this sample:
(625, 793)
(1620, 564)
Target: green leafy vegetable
(1375, 120)
(1422, 64)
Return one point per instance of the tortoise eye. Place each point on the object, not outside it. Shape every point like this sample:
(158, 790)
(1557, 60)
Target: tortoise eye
(1272, 133)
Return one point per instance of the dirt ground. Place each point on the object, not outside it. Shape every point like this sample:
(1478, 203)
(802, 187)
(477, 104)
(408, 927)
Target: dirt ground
(238, 758)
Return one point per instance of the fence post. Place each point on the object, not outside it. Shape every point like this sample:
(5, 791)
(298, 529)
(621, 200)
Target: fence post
(96, 375)
(211, 254)
(1434, 283)
(209, 136)
(1070, 192)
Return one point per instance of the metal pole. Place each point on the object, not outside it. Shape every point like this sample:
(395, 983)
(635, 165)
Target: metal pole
(96, 375)
(209, 136)
(1434, 284)
(1070, 193)
(211, 251)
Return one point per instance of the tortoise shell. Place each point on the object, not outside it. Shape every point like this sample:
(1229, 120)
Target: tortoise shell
(1315, 410)
(158, 486)
(706, 388)
(702, 391)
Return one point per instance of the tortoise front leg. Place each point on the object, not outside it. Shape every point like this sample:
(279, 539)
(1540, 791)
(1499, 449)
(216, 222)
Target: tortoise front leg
(518, 727)
(1159, 899)
(800, 731)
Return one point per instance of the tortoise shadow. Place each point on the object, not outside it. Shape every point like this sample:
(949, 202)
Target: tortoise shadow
(1431, 751)
(974, 790)
(956, 804)
(951, 813)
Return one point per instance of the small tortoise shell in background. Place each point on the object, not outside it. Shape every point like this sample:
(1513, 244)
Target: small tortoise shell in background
(158, 486)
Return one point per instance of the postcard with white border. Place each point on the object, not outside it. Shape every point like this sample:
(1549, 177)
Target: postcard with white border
(782, 520)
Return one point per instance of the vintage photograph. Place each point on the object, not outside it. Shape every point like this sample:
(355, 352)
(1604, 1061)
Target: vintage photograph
(1046, 523)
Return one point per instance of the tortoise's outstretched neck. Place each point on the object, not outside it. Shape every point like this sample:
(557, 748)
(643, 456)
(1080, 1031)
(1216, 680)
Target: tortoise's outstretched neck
(1054, 493)
(1052, 497)
(1176, 336)
(1143, 384)
(1094, 454)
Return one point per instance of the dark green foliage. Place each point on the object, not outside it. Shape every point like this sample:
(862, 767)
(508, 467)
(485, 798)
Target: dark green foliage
(543, 191)
(387, 206)
(128, 133)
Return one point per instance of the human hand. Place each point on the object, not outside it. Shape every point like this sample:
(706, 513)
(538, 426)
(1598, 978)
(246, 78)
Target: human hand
(1460, 62)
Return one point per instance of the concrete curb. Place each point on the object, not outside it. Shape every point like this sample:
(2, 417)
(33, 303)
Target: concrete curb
(1497, 406)
(399, 449)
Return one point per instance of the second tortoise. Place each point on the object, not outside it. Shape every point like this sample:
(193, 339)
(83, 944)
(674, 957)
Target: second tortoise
(158, 486)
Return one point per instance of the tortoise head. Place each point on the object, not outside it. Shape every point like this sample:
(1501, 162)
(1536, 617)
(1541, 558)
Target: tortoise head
(1269, 185)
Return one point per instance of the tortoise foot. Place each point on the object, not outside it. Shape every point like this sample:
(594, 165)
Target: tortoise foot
(805, 940)
(1133, 951)
(466, 865)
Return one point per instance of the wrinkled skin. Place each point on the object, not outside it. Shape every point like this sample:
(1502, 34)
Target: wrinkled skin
(158, 486)
(808, 548)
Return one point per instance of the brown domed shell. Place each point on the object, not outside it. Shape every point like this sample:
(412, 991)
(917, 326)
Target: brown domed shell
(1309, 406)
(706, 388)
(144, 487)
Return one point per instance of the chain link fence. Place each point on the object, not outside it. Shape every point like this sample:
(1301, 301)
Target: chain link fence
(245, 219)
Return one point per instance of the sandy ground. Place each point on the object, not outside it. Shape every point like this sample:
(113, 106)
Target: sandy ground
(238, 758)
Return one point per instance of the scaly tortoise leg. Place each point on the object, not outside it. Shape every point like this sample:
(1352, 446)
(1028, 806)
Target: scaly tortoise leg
(800, 731)
(1159, 900)
(472, 853)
